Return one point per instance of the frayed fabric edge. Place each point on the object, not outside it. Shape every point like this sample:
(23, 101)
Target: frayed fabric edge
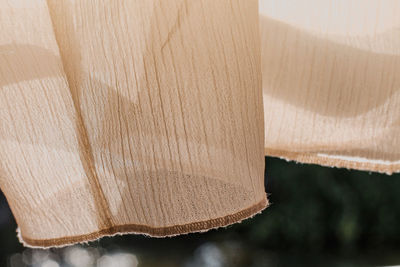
(311, 158)
(159, 232)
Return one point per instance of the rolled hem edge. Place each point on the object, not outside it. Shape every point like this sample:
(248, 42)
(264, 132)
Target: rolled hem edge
(310, 158)
(168, 231)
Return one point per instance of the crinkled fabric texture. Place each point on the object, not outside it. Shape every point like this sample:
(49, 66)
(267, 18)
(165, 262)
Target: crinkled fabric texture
(148, 116)
(331, 82)
(129, 116)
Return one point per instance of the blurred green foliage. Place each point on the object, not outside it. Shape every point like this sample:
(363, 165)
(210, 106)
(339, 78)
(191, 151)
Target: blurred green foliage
(320, 208)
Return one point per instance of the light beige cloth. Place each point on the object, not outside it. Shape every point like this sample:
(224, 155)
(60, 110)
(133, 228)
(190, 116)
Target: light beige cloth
(147, 116)
(129, 116)
(331, 82)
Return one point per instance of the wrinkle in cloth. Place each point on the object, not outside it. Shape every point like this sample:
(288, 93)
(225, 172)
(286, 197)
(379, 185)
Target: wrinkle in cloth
(331, 83)
(129, 117)
(148, 116)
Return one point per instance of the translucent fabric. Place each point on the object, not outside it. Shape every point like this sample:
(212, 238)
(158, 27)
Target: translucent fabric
(129, 116)
(331, 82)
(147, 116)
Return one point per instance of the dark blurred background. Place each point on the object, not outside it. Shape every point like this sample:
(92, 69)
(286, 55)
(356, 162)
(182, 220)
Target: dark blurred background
(318, 217)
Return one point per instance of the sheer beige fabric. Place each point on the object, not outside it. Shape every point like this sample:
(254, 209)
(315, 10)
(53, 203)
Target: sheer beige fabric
(129, 116)
(331, 82)
(147, 116)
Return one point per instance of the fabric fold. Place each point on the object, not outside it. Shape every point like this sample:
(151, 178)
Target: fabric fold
(130, 117)
(331, 83)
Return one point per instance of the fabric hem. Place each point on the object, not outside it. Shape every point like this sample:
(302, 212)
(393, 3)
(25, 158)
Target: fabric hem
(201, 226)
(311, 158)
